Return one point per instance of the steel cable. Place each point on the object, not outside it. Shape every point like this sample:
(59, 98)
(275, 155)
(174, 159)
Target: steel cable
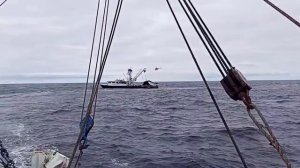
(209, 41)
(104, 22)
(265, 130)
(210, 34)
(3, 3)
(205, 45)
(91, 57)
(208, 88)
(95, 90)
(283, 13)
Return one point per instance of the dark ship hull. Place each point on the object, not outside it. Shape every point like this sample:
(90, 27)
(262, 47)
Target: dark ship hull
(144, 85)
(129, 87)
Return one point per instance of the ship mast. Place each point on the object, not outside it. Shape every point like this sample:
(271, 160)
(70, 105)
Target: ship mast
(129, 76)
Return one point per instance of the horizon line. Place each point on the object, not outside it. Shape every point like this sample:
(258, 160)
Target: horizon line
(168, 81)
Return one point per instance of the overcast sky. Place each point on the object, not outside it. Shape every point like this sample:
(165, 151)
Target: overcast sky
(50, 40)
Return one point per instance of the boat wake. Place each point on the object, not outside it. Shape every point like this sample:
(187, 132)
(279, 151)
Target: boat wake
(18, 143)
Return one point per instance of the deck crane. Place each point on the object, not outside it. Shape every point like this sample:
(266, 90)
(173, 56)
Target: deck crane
(138, 74)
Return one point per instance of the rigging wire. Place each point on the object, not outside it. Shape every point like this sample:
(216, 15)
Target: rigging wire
(112, 33)
(263, 127)
(210, 34)
(95, 90)
(102, 49)
(283, 13)
(205, 45)
(208, 88)
(104, 21)
(265, 130)
(116, 17)
(103, 25)
(3, 3)
(118, 9)
(208, 40)
(91, 57)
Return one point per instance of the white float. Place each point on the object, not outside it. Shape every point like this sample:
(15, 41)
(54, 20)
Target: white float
(49, 159)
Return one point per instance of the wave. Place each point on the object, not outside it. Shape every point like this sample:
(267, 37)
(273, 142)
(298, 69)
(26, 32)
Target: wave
(119, 163)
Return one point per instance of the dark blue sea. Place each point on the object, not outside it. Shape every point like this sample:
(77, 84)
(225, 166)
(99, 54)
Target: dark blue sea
(175, 126)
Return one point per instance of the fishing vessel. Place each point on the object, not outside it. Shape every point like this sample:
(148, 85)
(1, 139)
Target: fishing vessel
(131, 82)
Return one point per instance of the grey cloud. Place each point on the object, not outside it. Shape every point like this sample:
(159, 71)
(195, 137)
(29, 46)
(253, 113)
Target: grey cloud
(54, 37)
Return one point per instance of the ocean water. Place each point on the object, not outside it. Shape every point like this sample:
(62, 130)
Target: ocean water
(175, 126)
